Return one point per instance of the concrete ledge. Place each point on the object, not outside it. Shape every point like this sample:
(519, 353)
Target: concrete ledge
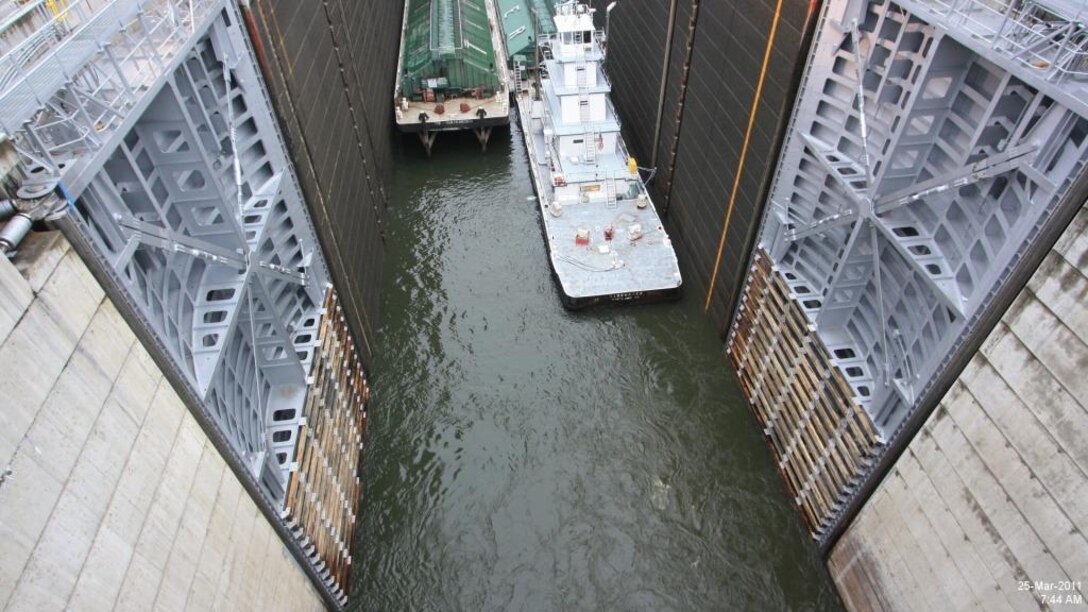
(116, 497)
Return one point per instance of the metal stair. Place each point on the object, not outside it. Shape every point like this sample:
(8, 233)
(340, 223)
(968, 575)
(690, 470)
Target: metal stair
(517, 78)
(610, 193)
(589, 141)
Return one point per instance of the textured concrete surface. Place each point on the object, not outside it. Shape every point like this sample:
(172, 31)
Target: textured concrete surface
(991, 497)
(112, 496)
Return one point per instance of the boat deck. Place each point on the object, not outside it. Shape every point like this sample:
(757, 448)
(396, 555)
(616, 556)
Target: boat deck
(497, 109)
(478, 63)
(617, 270)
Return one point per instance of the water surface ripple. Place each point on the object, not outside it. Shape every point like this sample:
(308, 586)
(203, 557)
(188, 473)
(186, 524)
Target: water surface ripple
(522, 457)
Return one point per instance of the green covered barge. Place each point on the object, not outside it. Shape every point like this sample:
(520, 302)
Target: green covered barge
(451, 74)
(524, 22)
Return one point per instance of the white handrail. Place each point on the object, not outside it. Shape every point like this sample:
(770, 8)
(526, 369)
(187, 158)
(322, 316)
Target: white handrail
(1044, 35)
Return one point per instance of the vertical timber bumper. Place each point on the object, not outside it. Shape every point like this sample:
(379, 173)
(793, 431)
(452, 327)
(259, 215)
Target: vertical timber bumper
(821, 437)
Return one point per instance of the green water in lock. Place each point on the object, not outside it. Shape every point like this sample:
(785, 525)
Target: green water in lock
(521, 457)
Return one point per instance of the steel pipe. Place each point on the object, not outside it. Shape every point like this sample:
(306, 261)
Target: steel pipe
(13, 233)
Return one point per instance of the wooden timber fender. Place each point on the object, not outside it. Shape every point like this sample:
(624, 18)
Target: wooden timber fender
(323, 492)
(818, 432)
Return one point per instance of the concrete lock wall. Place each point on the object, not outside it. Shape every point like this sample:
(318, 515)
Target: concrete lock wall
(986, 507)
(111, 495)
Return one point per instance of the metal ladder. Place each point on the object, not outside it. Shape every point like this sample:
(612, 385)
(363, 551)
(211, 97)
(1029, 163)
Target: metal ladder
(517, 78)
(589, 141)
(610, 192)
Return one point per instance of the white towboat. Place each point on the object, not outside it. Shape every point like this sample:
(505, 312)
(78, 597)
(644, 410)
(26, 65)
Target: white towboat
(604, 237)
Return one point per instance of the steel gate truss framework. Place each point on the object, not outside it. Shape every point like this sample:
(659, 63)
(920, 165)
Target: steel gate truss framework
(930, 142)
(151, 117)
(223, 257)
(151, 120)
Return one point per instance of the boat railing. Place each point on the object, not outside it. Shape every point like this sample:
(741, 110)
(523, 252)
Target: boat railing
(595, 175)
(559, 51)
(604, 77)
(610, 110)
